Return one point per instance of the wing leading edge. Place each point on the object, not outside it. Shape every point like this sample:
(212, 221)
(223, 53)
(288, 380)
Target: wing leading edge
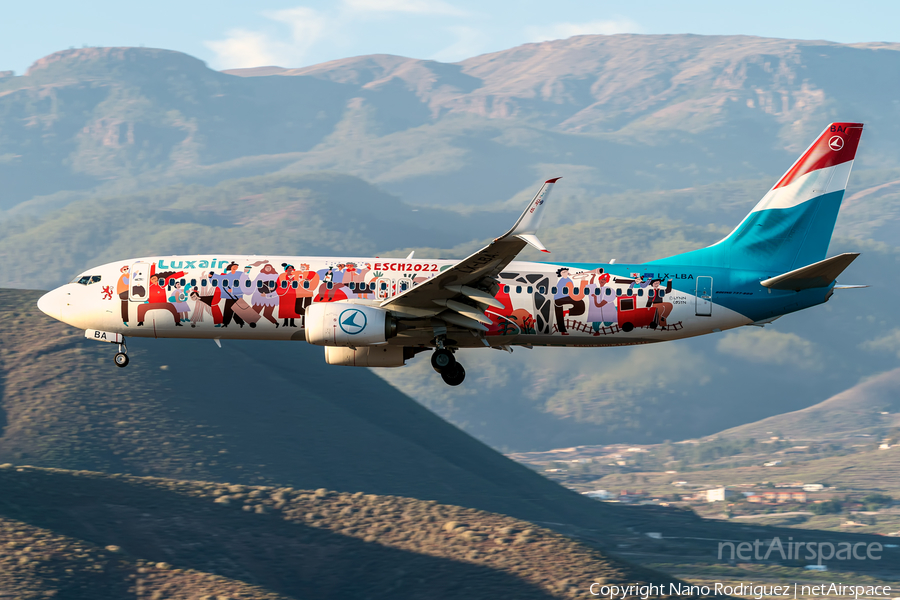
(468, 281)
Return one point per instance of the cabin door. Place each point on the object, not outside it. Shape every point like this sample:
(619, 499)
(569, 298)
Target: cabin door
(704, 296)
(139, 282)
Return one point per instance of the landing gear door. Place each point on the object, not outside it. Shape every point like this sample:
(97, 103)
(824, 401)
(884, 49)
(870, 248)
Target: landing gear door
(139, 282)
(704, 296)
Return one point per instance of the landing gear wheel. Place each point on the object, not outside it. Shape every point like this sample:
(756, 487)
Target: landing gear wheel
(453, 375)
(442, 360)
(121, 359)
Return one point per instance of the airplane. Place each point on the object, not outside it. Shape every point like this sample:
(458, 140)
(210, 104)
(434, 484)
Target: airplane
(381, 312)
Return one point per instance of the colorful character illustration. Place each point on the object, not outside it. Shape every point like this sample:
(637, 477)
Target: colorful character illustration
(655, 300)
(233, 284)
(157, 299)
(355, 279)
(264, 298)
(330, 288)
(562, 298)
(288, 285)
(178, 298)
(601, 306)
(122, 292)
(200, 307)
(638, 282)
(211, 295)
(309, 281)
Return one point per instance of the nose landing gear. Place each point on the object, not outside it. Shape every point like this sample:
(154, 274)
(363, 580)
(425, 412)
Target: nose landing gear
(443, 361)
(121, 358)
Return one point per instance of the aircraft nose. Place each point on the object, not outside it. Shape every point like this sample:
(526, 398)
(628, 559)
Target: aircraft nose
(51, 304)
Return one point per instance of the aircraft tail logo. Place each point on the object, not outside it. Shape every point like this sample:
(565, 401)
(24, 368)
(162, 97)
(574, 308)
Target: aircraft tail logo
(791, 226)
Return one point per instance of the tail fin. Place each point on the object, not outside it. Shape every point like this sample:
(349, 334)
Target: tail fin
(791, 226)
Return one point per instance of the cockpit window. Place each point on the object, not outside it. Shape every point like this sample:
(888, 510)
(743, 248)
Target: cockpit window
(87, 279)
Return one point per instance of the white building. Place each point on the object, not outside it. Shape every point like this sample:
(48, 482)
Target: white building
(813, 487)
(718, 494)
(598, 495)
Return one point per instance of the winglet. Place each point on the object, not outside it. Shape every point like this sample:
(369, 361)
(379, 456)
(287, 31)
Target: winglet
(532, 241)
(527, 225)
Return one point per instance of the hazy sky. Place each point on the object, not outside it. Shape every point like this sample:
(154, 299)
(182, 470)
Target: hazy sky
(231, 33)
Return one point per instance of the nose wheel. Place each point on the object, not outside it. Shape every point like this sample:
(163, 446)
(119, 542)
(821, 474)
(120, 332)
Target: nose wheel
(443, 361)
(121, 358)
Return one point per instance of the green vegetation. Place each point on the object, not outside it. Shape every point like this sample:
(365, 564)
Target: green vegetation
(827, 507)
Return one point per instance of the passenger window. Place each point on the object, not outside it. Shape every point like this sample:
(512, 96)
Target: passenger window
(183, 281)
(258, 284)
(505, 289)
(203, 282)
(530, 289)
(305, 285)
(518, 289)
(284, 285)
(383, 285)
(575, 291)
(247, 283)
(193, 283)
(618, 291)
(542, 290)
(215, 283)
(553, 290)
(329, 285)
(640, 292)
(608, 292)
(565, 289)
(294, 284)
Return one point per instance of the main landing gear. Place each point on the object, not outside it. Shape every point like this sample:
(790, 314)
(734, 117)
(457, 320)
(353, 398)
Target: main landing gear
(121, 357)
(445, 363)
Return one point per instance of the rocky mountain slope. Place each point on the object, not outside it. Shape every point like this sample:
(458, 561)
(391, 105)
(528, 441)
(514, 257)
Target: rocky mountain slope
(608, 112)
(89, 535)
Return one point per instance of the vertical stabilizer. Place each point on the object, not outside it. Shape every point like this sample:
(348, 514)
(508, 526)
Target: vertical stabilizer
(791, 226)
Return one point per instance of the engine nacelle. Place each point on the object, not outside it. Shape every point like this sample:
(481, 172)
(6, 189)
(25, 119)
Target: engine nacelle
(366, 356)
(343, 324)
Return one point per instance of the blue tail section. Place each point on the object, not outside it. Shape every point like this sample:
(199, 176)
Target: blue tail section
(791, 226)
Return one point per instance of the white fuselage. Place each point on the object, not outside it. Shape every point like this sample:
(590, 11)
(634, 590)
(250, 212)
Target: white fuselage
(206, 296)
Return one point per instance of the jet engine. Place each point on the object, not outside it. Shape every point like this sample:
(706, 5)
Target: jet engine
(367, 356)
(343, 324)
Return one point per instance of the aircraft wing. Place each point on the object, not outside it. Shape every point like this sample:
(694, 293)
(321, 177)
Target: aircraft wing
(460, 289)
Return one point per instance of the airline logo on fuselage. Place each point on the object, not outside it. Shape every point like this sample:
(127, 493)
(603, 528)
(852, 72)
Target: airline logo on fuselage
(352, 321)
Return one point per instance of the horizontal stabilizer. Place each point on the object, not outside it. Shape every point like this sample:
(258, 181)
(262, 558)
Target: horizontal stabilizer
(816, 275)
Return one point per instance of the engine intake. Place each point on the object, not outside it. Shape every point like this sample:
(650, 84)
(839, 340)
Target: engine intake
(343, 324)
